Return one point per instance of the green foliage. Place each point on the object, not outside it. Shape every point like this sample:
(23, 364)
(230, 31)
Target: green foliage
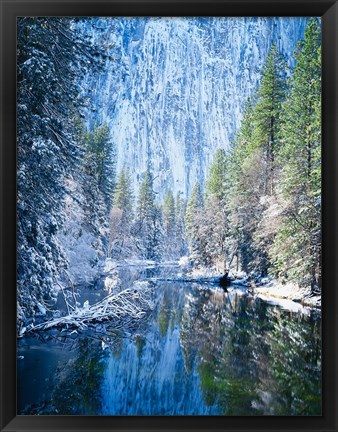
(78, 392)
(148, 226)
(100, 159)
(246, 350)
(216, 213)
(146, 197)
(295, 366)
(180, 235)
(299, 160)
(169, 224)
(195, 204)
(262, 199)
(121, 218)
(87, 191)
(270, 95)
(217, 181)
(193, 220)
(51, 62)
(164, 315)
(123, 197)
(253, 166)
(169, 213)
(140, 342)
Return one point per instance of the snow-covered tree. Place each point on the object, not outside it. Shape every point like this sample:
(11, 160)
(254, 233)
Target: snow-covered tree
(180, 235)
(216, 212)
(193, 221)
(169, 225)
(121, 217)
(100, 160)
(51, 59)
(148, 229)
(296, 252)
(123, 196)
(253, 165)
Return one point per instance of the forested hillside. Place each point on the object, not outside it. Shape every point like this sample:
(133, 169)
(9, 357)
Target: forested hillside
(262, 202)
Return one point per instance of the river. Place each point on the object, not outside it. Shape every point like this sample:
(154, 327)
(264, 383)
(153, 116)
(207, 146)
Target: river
(201, 351)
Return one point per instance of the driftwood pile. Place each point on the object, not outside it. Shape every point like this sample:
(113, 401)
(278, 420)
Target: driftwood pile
(130, 304)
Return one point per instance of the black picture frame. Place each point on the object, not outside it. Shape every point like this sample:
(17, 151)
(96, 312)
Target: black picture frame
(10, 10)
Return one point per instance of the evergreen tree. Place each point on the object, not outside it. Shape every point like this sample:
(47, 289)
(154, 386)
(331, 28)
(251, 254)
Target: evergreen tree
(169, 224)
(216, 230)
(253, 165)
(123, 196)
(296, 252)
(100, 160)
(121, 217)
(87, 194)
(218, 174)
(148, 228)
(270, 95)
(193, 222)
(157, 240)
(180, 235)
(51, 61)
(247, 174)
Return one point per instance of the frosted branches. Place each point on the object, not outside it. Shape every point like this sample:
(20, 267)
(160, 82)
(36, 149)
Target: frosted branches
(128, 304)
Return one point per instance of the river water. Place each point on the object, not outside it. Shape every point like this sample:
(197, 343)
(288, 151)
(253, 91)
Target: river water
(201, 351)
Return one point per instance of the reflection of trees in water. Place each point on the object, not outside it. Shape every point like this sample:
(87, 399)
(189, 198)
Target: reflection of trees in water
(296, 365)
(78, 391)
(140, 342)
(252, 359)
(78, 381)
(170, 307)
(164, 314)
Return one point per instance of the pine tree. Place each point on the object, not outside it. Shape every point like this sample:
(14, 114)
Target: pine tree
(217, 180)
(101, 160)
(169, 224)
(94, 204)
(180, 235)
(194, 221)
(247, 174)
(296, 252)
(253, 165)
(270, 95)
(266, 116)
(123, 196)
(51, 62)
(121, 243)
(216, 230)
(148, 227)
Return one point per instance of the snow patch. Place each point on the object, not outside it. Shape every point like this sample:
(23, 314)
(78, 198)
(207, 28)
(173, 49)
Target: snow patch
(289, 295)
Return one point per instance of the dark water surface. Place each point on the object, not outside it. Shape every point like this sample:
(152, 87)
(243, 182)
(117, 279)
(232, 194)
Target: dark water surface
(200, 352)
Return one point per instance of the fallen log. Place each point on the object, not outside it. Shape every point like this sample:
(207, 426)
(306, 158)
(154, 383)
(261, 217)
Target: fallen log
(129, 303)
(190, 279)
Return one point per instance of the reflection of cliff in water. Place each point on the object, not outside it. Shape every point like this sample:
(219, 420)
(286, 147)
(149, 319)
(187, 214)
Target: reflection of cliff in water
(151, 378)
(201, 351)
(74, 385)
(252, 359)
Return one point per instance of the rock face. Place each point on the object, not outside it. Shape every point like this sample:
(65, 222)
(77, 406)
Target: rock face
(175, 89)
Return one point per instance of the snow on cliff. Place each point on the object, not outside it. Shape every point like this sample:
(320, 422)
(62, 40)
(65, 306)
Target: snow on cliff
(175, 89)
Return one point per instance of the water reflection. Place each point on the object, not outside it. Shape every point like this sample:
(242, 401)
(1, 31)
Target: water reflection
(254, 359)
(202, 351)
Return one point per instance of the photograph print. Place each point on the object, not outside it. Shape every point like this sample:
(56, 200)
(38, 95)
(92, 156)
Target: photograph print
(169, 216)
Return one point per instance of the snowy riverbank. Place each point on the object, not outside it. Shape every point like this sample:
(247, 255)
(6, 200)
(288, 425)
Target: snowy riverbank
(267, 288)
(291, 292)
